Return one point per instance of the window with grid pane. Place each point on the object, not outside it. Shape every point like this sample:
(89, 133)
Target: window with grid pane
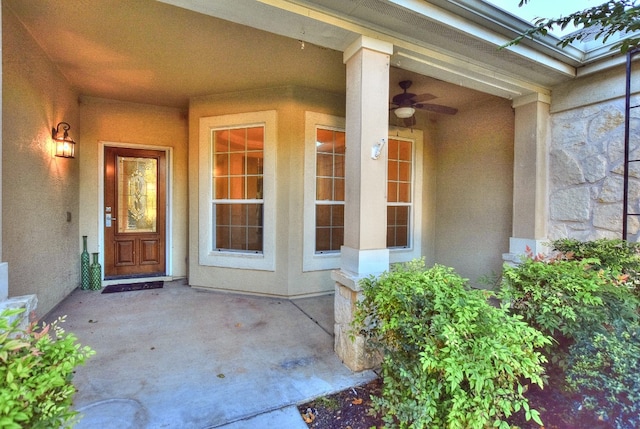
(238, 161)
(399, 191)
(330, 163)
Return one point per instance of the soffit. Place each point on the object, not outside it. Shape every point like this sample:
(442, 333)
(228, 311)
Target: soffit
(151, 52)
(428, 39)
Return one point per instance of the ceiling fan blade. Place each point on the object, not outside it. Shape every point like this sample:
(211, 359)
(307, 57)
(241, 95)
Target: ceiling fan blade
(421, 98)
(437, 108)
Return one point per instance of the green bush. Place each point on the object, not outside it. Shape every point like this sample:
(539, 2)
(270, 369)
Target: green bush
(451, 360)
(559, 296)
(616, 255)
(36, 367)
(604, 368)
(587, 298)
(575, 293)
(619, 257)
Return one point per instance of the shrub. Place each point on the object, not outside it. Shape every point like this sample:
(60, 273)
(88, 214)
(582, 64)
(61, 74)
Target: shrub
(35, 374)
(573, 294)
(557, 296)
(617, 255)
(605, 370)
(586, 297)
(451, 360)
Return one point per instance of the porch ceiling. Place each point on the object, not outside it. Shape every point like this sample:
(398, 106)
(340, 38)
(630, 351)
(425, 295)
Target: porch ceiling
(154, 52)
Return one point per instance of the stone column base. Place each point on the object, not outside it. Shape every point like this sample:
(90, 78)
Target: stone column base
(350, 346)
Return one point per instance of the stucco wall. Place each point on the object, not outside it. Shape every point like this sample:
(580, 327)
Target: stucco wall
(474, 188)
(133, 124)
(290, 104)
(586, 155)
(429, 128)
(40, 245)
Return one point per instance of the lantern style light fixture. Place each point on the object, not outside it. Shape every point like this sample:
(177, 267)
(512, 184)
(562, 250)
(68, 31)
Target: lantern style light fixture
(65, 146)
(404, 112)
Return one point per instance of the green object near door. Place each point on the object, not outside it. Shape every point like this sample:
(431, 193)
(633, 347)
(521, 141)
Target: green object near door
(85, 278)
(96, 273)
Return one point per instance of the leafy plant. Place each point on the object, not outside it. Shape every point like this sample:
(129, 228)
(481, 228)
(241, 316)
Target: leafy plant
(615, 254)
(583, 290)
(36, 367)
(451, 360)
(557, 296)
(587, 298)
(621, 258)
(605, 370)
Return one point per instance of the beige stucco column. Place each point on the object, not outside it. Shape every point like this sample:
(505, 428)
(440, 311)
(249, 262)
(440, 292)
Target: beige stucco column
(365, 249)
(4, 267)
(530, 175)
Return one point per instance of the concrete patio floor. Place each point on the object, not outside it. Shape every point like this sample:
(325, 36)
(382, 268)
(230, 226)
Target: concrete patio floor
(179, 357)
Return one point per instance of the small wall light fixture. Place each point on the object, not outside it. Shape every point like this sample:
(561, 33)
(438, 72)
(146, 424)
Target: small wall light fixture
(65, 146)
(404, 112)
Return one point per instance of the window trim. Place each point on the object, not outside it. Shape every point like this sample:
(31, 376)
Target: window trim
(414, 250)
(235, 258)
(312, 261)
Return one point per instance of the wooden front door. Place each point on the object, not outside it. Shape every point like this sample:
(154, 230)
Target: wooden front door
(134, 212)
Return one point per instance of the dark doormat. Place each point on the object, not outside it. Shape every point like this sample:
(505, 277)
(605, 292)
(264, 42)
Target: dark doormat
(132, 286)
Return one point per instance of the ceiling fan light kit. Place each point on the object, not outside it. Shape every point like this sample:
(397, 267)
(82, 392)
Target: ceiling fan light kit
(404, 112)
(404, 105)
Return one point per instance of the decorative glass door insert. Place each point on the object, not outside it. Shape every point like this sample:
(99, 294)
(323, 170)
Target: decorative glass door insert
(137, 194)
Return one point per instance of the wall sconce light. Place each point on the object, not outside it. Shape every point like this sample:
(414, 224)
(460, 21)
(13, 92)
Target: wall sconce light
(404, 112)
(65, 146)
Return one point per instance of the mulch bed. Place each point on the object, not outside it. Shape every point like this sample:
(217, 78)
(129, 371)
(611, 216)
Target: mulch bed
(350, 409)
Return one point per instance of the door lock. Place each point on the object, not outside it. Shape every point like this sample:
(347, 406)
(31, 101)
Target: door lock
(108, 219)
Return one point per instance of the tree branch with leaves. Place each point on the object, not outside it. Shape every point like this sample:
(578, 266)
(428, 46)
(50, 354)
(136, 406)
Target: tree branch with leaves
(614, 17)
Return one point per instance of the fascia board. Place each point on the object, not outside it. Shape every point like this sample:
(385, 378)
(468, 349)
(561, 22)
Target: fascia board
(482, 19)
(460, 23)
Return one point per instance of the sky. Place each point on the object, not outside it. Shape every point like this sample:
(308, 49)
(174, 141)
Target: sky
(546, 9)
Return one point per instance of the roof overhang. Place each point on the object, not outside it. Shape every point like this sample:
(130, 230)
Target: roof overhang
(457, 41)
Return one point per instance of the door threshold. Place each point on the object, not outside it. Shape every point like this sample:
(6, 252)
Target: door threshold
(136, 280)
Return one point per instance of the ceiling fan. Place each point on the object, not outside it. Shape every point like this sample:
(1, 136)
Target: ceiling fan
(404, 105)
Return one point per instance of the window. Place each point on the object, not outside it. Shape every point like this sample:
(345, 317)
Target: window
(237, 190)
(324, 193)
(330, 162)
(323, 211)
(238, 160)
(399, 191)
(405, 185)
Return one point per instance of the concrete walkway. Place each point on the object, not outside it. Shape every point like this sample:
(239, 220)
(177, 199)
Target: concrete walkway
(178, 357)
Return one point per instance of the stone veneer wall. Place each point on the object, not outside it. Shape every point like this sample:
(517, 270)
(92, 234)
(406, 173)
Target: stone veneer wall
(587, 170)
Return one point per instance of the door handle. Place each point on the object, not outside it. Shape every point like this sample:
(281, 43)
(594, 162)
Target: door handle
(108, 219)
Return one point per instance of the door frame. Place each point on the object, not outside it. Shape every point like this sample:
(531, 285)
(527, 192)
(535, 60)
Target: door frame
(168, 212)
